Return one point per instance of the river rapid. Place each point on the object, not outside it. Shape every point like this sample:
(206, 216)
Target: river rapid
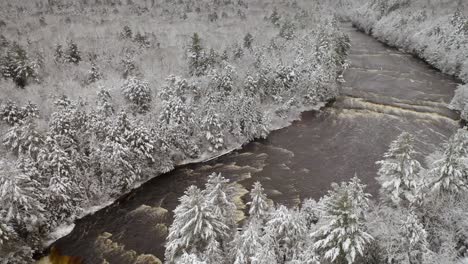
(386, 92)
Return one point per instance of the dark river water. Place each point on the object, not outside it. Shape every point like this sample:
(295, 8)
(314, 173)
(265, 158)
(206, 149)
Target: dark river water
(386, 92)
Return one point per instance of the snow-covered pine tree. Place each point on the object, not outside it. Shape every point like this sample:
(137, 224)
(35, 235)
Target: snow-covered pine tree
(213, 127)
(237, 51)
(415, 239)
(20, 196)
(24, 139)
(59, 168)
(18, 66)
(94, 74)
(138, 93)
(247, 243)
(104, 102)
(266, 253)
(10, 113)
(141, 142)
(399, 172)
(259, 207)
(58, 53)
(196, 54)
(213, 253)
(342, 236)
(187, 258)
(449, 174)
(248, 40)
(219, 196)
(288, 229)
(194, 226)
(311, 212)
(72, 54)
(175, 112)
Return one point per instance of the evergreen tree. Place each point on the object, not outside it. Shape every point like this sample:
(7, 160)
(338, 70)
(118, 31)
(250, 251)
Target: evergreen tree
(266, 253)
(189, 259)
(288, 228)
(398, 173)
(287, 30)
(415, 239)
(72, 54)
(20, 196)
(449, 174)
(275, 17)
(310, 211)
(194, 226)
(248, 40)
(138, 93)
(213, 126)
(18, 66)
(94, 74)
(219, 196)
(24, 139)
(342, 236)
(213, 253)
(247, 243)
(104, 102)
(58, 53)
(259, 207)
(196, 56)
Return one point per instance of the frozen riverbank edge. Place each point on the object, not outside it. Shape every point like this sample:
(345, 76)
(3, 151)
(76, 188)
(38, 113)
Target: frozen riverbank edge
(295, 115)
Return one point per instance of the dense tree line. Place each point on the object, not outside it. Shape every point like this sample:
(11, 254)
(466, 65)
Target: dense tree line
(419, 218)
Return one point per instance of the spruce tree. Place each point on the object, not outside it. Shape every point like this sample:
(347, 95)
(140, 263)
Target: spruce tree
(187, 258)
(415, 239)
(219, 195)
(20, 196)
(342, 236)
(248, 40)
(399, 172)
(197, 60)
(72, 54)
(138, 93)
(288, 229)
(259, 207)
(247, 243)
(449, 174)
(194, 226)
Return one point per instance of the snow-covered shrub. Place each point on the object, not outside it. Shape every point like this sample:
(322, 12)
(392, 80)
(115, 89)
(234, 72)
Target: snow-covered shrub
(138, 93)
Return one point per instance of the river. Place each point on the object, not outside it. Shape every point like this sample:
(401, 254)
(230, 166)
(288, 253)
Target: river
(386, 92)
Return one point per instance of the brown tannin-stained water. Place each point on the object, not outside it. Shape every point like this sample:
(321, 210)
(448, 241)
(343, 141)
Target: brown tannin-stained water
(386, 92)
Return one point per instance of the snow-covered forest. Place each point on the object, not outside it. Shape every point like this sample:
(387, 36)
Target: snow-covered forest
(98, 97)
(419, 217)
(83, 124)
